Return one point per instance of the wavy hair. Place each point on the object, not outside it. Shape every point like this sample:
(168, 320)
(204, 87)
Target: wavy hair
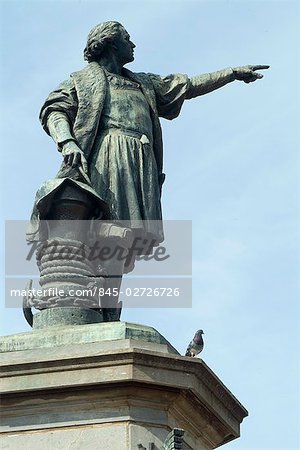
(98, 38)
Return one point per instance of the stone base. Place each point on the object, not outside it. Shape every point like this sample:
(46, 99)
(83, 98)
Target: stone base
(65, 316)
(111, 386)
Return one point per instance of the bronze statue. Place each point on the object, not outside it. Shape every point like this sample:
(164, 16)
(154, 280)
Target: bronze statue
(105, 122)
(105, 119)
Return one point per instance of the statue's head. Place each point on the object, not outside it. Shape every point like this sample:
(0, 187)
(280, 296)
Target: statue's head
(106, 38)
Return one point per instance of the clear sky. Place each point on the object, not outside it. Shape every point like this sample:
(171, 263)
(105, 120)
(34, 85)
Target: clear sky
(232, 167)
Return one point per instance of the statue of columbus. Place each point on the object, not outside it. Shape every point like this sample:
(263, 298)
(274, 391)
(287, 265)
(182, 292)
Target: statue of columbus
(105, 120)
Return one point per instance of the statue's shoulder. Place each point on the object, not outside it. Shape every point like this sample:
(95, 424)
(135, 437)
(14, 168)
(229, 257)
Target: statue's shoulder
(142, 75)
(92, 70)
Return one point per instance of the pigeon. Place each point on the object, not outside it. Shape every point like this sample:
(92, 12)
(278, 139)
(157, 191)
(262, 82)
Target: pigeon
(196, 345)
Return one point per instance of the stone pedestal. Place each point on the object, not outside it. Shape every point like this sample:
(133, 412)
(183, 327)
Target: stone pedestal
(110, 386)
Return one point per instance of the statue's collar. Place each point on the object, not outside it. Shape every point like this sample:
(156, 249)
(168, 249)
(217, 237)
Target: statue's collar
(130, 75)
(125, 72)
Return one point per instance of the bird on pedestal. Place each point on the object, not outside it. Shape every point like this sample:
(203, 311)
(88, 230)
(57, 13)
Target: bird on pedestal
(196, 345)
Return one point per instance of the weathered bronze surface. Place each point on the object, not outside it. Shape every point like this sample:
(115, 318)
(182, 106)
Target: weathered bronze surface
(104, 120)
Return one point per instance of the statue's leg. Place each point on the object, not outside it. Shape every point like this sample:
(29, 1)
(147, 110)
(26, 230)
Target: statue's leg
(111, 307)
(117, 241)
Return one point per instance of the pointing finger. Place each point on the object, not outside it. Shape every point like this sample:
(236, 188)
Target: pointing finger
(260, 67)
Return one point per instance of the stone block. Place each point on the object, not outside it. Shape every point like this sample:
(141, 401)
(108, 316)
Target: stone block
(122, 386)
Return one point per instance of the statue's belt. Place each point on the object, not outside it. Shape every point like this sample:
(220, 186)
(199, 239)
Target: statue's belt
(125, 132)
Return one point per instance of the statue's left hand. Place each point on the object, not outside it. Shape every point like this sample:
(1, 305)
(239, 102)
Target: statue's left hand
(248, 74)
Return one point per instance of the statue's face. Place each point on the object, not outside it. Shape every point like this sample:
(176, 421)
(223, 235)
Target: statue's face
(124, 47)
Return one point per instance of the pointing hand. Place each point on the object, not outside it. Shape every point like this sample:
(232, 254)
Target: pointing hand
(248, 74)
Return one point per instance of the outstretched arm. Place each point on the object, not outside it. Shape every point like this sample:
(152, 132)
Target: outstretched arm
(203, 84)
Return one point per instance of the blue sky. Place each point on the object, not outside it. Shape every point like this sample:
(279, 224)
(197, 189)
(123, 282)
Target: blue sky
(232, 167)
